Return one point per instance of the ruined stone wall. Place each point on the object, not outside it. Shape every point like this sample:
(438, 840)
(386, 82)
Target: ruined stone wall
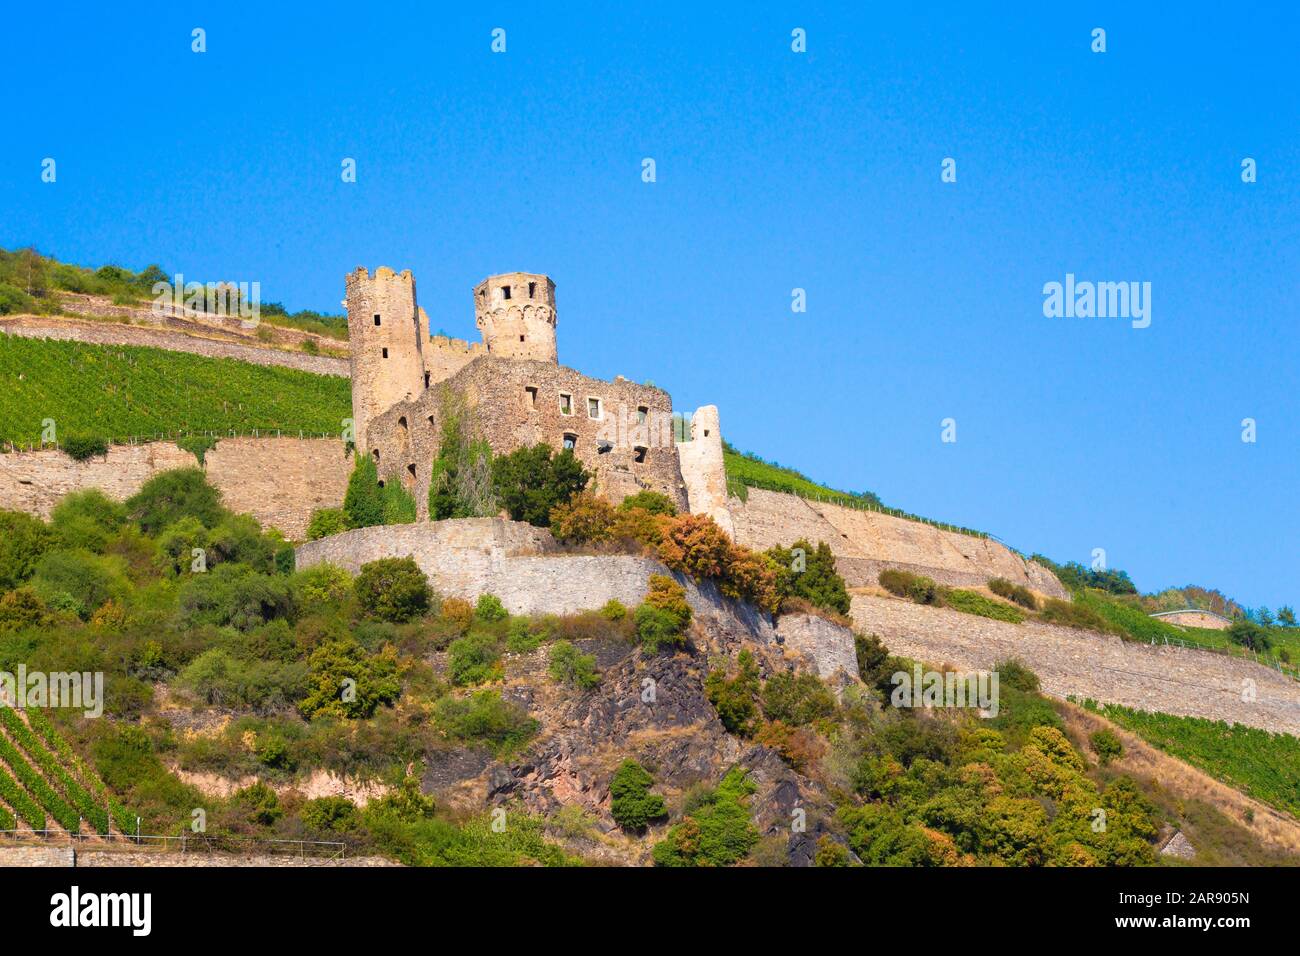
(125, 855)
(1172, 680)
(111, 333)
(866, 542)
(279, 481)
(444, 357)
(513, 403)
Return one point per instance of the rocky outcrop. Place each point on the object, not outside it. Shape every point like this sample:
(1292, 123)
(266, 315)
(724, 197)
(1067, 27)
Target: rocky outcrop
(828, 645)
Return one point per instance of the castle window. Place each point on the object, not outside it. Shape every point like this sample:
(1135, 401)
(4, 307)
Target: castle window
(638, 454)
(642, 414)
(566, 403)
(532, 289)
(376, 320)
(505, 292)
(530, 396)
(521, 338)
(604, 447)
(593, 408)
(385, 351)
(426, 379)
(375, 452)
(401, 422)
(432, 422)
(570, 441)
(410, 472)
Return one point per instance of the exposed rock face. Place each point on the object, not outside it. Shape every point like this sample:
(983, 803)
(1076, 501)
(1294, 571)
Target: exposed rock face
(1179, 846)
(829, 645)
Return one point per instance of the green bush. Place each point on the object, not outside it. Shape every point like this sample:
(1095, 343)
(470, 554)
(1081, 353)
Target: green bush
(797, 699)
(571, 667)
(1250, 635)
(14, 301)
(81, 447)
(530, 481)
(87, 519)
(22, 608)
(662, 619)
(345, 681)
(85, 580)
(914, 587)
(393, 589)
(1014, 673)
(485, 718)
(363, 502)
(1074, 615)
(474, 659)
(172, 495)
(972, 602)
(489, 609)
(818, 583)
(232, 595)
(717, 833)
(325, 522)
(1016, 593)
(23, 541)
(613, 610)
(736, 698)
(632, 805)
(651, 501)
(399, 505)
(333, 814)
(1106, 745)
(320, 587)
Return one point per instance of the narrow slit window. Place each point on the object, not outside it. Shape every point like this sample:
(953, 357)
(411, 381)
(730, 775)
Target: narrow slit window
(385, 351)
(532, 289)
(530, 396)
(376, 319)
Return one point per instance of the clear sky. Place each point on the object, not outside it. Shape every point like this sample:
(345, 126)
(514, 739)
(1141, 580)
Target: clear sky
(775, 170)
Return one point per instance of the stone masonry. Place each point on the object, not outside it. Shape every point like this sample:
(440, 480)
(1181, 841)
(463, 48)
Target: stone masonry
(1171, 680)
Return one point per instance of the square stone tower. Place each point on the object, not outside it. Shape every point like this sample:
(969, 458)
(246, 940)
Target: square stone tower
(385, 344)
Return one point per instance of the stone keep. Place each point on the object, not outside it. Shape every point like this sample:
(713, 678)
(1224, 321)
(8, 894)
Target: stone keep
(385, 339)
(515, 312)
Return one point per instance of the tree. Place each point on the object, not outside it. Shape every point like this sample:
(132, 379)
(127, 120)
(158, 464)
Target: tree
(809, 573)
(694, 544)
(663, 617)
(632, 805)
(363, 503)
(461, 483)
(530, 481)
(1286, 616)
(651, 501)
(393, 589)
(345, 681)
(1249, 635)
(1265, 617)
(167, 497)
(735, 698)
(570, 666)
(23, 541)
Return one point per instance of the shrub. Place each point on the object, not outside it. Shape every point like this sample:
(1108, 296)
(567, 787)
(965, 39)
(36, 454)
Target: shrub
(460, 485)
(81, 447)
(614, 610)
(1106, 745)
(649, 501)
(363, 502)
(1250, 635)
(875, 665)
(632, 805)
(750, 576)
(972, 602)
(484, 717)
(20, 609)
(531, 481)
(238, 539)
(335, 814)
(695, 545)
(87, 579)
(639, 525)
(87, 519)
(473, 659)
(570, 666)
(167, 497)
(23, 541)
(321, 586)
(325, 522)
(914, 587)
(1066, 614)
(489, 608)
(393, 589)
(197, 445)
(812, 577)
(259, 804)
(231, 595)
(717, 833)
(345, 681)
(799, 747)
(797, 699)
(1016, 593)
(735, 698)
(14, 301)
(458, 614)
(583, 518)
(399, 505)
(663, 617)
(1013, 673)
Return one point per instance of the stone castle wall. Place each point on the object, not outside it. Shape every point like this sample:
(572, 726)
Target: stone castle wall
(111, 333)
(1172, 680)
(279, 481)
(866, 542)
(124, 855)
(513, 403)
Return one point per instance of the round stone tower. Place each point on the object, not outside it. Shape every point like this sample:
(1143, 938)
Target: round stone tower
(385, 342)
(515, 312)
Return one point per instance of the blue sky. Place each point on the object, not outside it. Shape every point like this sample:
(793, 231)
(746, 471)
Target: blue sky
(774, 171)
